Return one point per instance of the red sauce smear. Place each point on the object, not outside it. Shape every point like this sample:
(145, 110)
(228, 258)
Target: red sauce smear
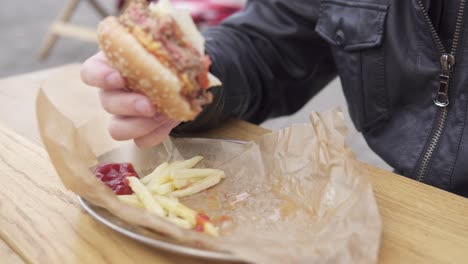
(114, 175)
(221, 219)
(201, 219)
(203, 76)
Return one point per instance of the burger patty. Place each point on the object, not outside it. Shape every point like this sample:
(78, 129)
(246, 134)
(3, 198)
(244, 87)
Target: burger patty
(162, 37)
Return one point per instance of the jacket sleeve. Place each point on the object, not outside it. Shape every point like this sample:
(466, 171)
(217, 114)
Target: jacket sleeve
(269, 59)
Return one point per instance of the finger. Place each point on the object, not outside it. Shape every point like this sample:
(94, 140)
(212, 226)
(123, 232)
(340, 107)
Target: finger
(156, 136)
(125, 128)
(122, 103)
(96, 71)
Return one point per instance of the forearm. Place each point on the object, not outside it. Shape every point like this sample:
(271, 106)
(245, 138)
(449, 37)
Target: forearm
(269, 60)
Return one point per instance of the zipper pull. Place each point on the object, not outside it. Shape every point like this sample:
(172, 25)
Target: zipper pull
(442, 97)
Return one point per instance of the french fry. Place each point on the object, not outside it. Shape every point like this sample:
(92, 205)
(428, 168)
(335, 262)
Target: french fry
(164, 177)
(197, 186)
(156, 173)
(210, 229)
(130, 200)
(145, 197)
(179, 221)
(158, 192)
(175, 199)
(177, 208)
(186, 164)
(179, 184)
(162, 189)
(195, 173)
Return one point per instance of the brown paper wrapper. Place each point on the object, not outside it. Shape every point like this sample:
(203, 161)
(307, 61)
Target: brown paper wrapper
(293, 196)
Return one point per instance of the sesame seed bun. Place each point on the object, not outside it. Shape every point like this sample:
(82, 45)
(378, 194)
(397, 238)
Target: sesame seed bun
(142, 71)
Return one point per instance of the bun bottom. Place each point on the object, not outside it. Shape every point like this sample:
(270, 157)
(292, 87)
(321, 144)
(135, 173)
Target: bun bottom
(142, 71)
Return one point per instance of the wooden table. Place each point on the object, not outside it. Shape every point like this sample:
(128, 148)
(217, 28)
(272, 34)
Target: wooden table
(41, 222)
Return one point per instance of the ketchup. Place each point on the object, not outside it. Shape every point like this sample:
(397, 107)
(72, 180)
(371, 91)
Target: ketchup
(114, 175)
(203, 76)
(201, 219)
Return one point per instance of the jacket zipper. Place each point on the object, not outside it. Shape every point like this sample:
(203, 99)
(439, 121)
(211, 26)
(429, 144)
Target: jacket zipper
(441, 99)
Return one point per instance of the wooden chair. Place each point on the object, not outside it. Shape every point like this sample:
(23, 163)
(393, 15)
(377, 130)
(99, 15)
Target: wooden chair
(62, 27)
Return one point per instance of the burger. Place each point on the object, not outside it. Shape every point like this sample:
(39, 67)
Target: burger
(160, 53)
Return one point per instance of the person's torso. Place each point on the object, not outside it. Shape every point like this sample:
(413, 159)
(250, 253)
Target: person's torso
(389, 62)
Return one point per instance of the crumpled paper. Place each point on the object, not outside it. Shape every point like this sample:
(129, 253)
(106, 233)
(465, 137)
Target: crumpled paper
(292, 196)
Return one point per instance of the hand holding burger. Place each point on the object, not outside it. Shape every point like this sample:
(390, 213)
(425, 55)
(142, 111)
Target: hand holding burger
(157, 52)
(160, 53)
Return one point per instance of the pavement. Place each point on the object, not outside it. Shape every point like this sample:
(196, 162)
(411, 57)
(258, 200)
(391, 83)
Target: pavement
(24, 24)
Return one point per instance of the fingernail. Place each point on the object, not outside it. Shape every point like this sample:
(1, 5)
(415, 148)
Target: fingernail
(144, 107)
(115, 80)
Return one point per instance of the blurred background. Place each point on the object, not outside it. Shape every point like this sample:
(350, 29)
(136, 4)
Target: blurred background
(28, 28)
(36, 35)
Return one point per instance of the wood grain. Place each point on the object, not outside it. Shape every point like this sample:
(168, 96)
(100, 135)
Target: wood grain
(18, 94)
(42, 222)
(421, 224)
(7, 255)
(234, 129)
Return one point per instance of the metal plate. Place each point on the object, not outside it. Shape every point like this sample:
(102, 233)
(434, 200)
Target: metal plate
(150, 238)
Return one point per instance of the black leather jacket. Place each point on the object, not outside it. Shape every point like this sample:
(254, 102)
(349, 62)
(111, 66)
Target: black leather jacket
(276, 54)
